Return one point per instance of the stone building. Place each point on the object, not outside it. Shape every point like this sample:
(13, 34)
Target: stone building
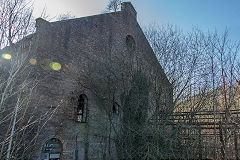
(84, 65)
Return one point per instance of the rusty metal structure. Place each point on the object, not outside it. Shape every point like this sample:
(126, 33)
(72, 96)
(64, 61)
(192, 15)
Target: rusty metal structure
(215, 135)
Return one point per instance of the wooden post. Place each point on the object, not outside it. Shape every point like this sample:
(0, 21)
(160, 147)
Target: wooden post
(221, 140)
(199, 142)
(236, 144)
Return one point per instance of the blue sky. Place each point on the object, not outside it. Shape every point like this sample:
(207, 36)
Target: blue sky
(205, 14)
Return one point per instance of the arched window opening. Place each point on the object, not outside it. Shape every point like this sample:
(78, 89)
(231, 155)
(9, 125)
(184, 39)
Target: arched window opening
(81, 110)
(130, 42)
(52, 150)
(115, 108)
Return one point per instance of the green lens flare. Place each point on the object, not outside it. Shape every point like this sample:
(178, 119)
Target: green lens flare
(55, 66)
(45, 64)
(7, 56)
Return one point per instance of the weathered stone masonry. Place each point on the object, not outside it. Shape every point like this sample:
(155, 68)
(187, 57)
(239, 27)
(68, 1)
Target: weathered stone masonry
(78, 44)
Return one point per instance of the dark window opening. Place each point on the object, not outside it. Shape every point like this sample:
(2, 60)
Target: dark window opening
(81, 110)
(130, 42)
(115, 108)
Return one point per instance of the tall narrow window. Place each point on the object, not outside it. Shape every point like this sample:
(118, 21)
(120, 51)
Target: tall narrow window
(115, 108)
(131, 44)
(81, 110)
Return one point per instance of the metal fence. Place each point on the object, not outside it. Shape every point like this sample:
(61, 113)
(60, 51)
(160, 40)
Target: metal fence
(214, 134)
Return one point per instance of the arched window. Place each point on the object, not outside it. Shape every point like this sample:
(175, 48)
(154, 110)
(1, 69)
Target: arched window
(52, 150)
(130, 42)
(81, 109)
(115, 108)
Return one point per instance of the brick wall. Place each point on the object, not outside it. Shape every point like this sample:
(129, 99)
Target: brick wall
(88, 49)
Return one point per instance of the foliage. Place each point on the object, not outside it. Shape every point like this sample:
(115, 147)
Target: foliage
(135, 113)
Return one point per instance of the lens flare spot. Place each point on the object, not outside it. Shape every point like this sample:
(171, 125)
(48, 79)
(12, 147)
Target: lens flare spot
(55, 66)
(45, 64)
(7, 56)
(33, 61)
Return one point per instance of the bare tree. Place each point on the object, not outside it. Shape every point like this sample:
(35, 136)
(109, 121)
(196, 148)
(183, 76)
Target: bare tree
(65, 16)
(20, 119)
(16, 21)
(180, 56)
(203, 70)
(113, 5)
